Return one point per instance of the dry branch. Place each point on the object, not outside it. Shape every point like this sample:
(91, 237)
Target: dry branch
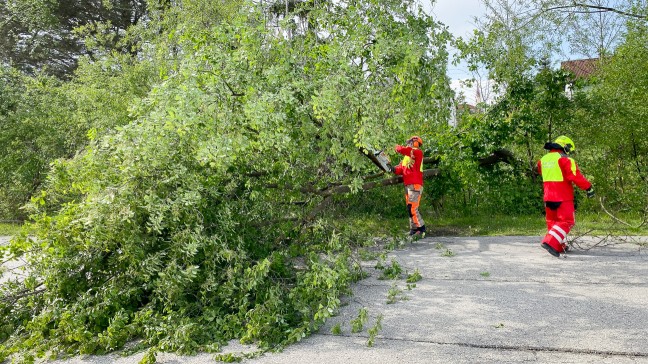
(597, 8)
(619, 220)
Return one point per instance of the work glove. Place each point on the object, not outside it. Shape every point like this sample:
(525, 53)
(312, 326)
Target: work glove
(590, 192)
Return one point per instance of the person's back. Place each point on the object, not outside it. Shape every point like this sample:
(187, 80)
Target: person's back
(559, 172)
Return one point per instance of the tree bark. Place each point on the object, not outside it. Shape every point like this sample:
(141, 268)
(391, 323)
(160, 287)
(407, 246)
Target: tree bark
(500, 155)
(428, 173)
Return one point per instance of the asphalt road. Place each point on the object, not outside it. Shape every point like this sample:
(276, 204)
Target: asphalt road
(484, 300)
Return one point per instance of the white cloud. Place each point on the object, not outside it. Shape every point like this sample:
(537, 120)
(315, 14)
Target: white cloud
(458, 15)
(469, 93)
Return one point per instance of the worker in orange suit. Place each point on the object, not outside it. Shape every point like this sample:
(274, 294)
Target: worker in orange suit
(559, 172)
(411, 168)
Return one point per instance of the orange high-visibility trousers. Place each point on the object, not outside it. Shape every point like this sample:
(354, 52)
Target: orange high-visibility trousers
(413, 199)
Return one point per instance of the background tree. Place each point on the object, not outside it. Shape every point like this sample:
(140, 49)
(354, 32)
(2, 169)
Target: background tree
(34, 129)
(37, 35)
(594, 31)
(43, 119)
(613, 117)
(116, 72)
(531, 107)
(513, 36)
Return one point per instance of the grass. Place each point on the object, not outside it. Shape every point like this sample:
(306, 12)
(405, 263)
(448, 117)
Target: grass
(9, 229)
(492, 225)
(496, 225)
(477, 225)
(458, 226)
(601, 223)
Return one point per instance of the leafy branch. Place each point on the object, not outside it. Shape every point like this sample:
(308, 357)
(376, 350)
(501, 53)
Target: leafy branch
(13, 298)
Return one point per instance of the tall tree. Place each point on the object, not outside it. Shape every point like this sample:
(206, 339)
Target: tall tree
(514, 35)
(614, 118)
(45, 120)
(35, 128)
(595, 32)
(39, 35)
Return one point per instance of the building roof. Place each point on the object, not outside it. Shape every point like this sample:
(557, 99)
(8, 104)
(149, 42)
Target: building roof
(466, 107)
(581, 68)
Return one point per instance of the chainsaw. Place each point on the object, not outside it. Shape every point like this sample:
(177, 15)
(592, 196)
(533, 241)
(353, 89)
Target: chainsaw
(379, 158)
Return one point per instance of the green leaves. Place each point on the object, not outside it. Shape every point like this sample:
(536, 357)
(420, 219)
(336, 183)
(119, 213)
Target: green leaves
(34, 130)
(185, 213)
(357, 324)
(47, 36)
(613, 117)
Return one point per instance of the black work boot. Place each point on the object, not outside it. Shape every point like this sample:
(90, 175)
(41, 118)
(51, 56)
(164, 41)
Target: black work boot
(421, 231)
(551, 250)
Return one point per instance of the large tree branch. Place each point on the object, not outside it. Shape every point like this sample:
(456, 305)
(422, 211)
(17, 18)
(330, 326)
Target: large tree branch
(428, 173)
(22, 294)
(500, 155)
(339, 189)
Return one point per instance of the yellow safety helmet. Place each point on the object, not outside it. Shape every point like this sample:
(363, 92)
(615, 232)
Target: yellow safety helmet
(566, 144)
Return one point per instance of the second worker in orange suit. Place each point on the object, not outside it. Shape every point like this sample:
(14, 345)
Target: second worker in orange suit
(411, 168)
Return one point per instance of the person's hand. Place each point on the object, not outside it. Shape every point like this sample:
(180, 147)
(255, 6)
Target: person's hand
(590, 192)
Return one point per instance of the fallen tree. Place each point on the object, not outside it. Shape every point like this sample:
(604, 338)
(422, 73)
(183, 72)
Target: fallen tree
(181, 228)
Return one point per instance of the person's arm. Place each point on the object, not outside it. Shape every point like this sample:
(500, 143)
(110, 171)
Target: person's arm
(403, 150)
(577, 178)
